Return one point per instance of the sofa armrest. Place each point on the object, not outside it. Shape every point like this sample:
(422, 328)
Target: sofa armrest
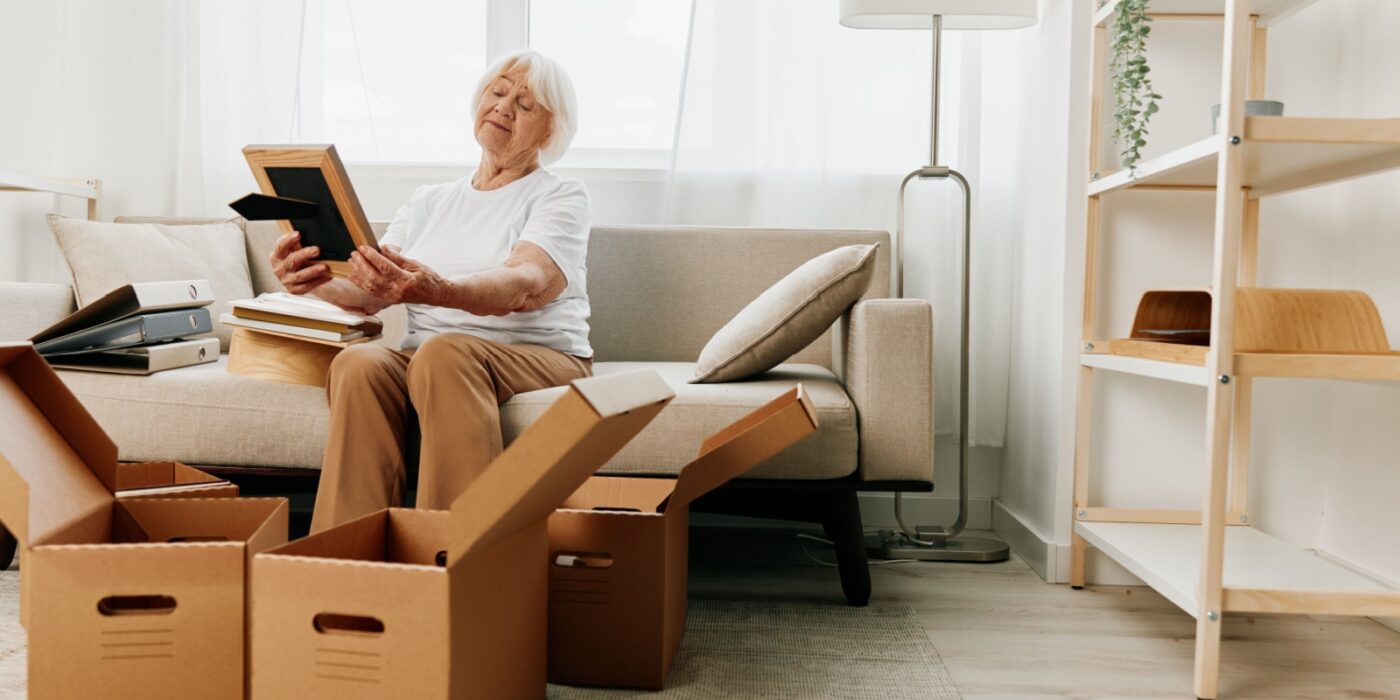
(27, 308)
(887, 368)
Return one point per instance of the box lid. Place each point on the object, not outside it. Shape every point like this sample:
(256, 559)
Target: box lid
(57, 467)
(745, 444)
(575, 436)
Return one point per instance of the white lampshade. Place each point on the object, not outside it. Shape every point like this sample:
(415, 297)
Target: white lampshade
(957, 14)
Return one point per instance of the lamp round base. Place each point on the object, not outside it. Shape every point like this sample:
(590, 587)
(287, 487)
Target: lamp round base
(962, 548)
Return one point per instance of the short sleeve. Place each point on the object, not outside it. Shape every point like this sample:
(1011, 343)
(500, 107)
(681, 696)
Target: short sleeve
(559, 225)
(408, 216)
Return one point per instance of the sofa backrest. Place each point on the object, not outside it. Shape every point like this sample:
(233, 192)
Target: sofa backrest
(659, 292)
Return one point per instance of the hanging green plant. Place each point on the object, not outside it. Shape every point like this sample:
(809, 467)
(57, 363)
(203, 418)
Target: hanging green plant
(1134, 102)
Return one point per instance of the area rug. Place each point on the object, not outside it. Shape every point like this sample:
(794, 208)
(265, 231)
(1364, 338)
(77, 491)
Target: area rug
(741, 649)
(732, 649)
(11, 637)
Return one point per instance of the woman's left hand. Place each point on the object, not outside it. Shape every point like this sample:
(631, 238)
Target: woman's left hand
(388, 275)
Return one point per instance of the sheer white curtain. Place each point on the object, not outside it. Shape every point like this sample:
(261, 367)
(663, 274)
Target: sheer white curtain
(235, 84)
(789, 119)
(156, 98)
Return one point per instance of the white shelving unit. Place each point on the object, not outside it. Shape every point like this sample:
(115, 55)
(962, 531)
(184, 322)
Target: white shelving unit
(1281, 154)
(1168, 558)
(1211, 561)
(89, 189)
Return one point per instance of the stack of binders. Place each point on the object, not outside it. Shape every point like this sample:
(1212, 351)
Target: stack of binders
(302, 317)
(139, 328)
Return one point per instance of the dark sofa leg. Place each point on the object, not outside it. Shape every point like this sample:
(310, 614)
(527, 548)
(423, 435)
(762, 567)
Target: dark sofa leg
(843, 525)
(7, 548)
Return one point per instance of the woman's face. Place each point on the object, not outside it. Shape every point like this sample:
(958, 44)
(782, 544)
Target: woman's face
(510, 122)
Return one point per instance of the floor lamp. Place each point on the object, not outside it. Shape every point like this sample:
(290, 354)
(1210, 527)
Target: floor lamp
(940, 543)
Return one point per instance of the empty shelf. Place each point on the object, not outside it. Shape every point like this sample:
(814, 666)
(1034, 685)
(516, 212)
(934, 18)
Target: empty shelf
(1281, 154)
(1257, 565)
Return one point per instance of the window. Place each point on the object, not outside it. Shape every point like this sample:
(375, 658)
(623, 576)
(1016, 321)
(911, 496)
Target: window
(628, 95)
(396, 79)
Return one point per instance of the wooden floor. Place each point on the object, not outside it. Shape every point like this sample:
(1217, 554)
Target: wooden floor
(1005, 633)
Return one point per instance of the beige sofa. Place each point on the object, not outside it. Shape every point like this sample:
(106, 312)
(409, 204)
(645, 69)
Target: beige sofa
(658, 294)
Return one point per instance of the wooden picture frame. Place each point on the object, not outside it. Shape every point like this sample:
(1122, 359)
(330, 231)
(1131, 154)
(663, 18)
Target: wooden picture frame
(315, 173)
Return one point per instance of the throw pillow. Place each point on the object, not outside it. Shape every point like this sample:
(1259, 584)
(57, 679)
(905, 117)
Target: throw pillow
(105, 256)
(787, 316)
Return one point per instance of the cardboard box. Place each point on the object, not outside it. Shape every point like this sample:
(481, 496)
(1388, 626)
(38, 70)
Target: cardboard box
(437, 604)
(618, 549)
(170, 480)
(137, 598)
(279, 357)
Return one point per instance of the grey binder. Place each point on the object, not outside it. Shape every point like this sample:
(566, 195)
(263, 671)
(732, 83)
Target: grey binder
(142, 329)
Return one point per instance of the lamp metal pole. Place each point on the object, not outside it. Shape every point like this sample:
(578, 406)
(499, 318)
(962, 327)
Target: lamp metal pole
(942, 543)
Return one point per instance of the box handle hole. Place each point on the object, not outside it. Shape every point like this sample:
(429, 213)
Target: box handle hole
(608, 509)
(114, 605)
(335, 623)
(583, 560)
(199, 538)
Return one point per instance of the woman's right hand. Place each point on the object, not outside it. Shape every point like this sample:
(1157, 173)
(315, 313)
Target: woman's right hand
(289, 262)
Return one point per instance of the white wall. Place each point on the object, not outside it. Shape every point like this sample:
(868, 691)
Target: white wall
(1327, 458)
(1028, 508)
(86, 93)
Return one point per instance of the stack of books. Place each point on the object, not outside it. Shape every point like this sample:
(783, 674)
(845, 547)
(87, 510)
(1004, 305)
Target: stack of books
(139, 328)
(301, 317)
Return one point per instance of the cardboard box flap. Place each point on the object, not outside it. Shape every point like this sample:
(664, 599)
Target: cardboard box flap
(613, 394)
(56, 465)
(143, 475)
(621, 493)
(547, 462)
(746, 443)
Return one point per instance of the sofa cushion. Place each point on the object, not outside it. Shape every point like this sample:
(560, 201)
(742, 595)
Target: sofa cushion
(788, 315)
(103, 257)
(204, 415)
(30, 307)
(673, 438)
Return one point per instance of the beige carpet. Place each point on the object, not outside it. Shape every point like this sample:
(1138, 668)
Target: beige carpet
(732, 649)
(11, 637)
(742, 649)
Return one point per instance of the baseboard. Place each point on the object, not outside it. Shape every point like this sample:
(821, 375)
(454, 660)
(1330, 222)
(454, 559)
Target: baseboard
(1391, 622)
(877, 510)
(1032, 546)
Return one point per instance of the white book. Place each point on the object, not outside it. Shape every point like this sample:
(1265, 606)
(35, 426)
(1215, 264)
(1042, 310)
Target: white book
(231, 320)
(304, 307)
(169, 489)
(145, 359)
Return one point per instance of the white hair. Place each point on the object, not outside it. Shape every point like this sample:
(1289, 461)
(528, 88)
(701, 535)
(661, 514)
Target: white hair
(551, 86)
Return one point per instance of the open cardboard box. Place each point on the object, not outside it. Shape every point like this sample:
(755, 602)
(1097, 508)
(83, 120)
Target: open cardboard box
(137, 598)
(170, 480)
(618, 548)
(439, 604)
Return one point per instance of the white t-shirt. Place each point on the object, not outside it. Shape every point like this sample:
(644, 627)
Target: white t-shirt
(456, 230)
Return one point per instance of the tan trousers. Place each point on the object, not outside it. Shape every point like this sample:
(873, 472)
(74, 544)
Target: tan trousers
(456, 383)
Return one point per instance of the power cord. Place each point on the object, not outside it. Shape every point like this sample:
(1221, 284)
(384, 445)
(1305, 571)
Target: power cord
(804, 536)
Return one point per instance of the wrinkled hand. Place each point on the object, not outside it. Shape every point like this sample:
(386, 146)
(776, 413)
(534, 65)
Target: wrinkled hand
(289, 262)
(388, 275)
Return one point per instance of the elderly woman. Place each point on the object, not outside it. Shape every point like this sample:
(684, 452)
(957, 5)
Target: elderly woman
(492, 270)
